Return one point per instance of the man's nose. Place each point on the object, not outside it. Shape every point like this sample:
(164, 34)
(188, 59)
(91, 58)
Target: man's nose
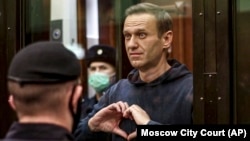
(132, 43)
(98, 69)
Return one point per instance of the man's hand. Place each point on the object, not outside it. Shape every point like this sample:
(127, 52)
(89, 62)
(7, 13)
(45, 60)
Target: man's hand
(108, 119)
(137, 114)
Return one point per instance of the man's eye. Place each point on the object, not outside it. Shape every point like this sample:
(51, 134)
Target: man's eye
(142, 35)
(92, 69)
(126, 36)
(103, 68)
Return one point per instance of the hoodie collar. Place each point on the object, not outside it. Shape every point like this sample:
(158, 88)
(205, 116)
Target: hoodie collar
(176, 71)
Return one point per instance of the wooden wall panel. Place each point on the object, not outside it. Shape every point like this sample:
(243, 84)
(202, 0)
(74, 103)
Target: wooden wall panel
(212, 100)
(8, 10)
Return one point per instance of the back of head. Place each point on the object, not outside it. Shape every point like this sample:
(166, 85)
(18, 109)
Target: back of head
(44, 62)
(102, 53)
(39, 75)
(164, 21)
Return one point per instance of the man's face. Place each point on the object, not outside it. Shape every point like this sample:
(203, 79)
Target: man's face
(144, 47)
(101, 67)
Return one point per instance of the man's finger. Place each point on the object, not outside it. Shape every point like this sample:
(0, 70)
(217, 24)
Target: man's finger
(132, 136)
(120, 132)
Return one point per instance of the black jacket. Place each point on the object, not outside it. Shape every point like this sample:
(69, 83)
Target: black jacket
(37, 132)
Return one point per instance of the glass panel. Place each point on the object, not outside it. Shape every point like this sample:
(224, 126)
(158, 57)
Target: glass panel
(79, 24)
(181, 12)
(36, 20)
(55, 20)
(242, 51)
(52, 20)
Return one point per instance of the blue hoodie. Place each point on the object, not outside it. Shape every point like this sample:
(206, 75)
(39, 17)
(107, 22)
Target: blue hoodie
(167, 100)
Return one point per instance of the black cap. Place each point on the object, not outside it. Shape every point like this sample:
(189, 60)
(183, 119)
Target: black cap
(44, 62)
(102, 53)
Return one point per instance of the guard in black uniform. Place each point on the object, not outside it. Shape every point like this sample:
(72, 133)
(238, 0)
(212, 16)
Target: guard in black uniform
(43, 83)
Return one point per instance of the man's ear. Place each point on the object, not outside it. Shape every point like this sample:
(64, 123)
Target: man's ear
(167, 39)
(11, 102)
(76, 96)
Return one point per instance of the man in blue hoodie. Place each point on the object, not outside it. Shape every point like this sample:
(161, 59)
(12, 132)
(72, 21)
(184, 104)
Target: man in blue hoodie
(158, 91)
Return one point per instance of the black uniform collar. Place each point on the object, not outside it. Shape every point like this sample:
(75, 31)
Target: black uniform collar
(38, 131)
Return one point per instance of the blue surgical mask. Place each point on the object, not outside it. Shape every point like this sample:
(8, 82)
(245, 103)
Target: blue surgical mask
(99, 81)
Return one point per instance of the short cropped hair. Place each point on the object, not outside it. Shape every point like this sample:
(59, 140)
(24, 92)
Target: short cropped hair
(164, 21)
(34, 98)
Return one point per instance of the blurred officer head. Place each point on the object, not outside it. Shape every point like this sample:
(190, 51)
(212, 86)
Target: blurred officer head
(43, 82)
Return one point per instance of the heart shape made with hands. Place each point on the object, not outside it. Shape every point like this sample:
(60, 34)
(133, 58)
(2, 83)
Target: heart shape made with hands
(111, 118)
(137, 114)
(128, 115)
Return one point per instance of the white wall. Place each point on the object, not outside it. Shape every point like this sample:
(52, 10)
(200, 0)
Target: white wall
(92, 22)
(66, 10)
